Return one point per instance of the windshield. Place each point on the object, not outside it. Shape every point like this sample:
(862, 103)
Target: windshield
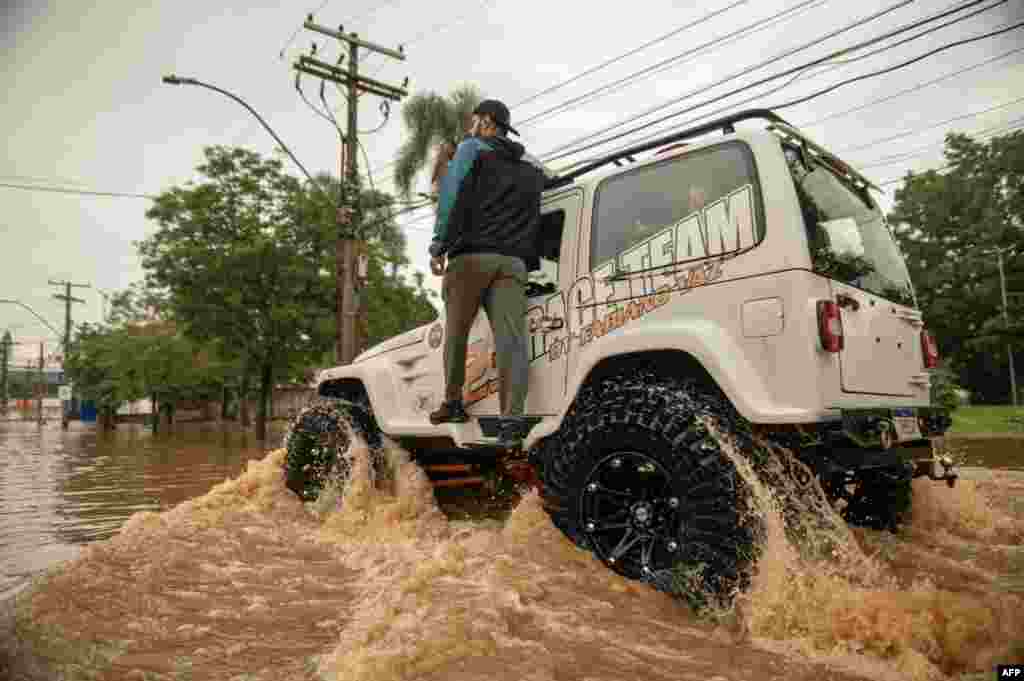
(850, 240)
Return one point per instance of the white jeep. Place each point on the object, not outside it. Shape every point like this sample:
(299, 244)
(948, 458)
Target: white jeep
(744, 279)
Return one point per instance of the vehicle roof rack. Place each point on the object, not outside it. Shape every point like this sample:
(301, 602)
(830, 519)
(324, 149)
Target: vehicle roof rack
(789, 133)
(725, 124)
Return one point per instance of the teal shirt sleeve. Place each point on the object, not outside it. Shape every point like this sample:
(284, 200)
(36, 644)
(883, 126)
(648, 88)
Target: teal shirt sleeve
(458, 169)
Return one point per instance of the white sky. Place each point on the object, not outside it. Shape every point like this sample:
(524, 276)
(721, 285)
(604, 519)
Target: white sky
(85, 105)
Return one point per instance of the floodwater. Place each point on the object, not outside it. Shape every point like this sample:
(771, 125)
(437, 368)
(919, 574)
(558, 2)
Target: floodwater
(242, 581)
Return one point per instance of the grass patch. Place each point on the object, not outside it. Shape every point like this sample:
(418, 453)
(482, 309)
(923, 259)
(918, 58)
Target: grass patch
(987, 419)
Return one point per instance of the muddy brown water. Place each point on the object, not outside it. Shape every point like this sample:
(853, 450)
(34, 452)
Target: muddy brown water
(183, 556)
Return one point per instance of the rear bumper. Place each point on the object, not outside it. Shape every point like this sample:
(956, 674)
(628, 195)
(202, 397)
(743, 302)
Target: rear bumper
(882, 437)
(877, 426)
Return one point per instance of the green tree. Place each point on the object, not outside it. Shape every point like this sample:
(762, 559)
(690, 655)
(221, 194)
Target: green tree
(436, 124)
(948, 226)
(241, 265)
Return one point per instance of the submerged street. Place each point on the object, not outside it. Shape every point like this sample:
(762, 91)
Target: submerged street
(388, 585)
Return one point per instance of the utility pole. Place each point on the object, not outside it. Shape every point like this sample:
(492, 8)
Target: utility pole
(68, 299)
(1006, 321)
(350, 247)
(5, 354)
(41, 387)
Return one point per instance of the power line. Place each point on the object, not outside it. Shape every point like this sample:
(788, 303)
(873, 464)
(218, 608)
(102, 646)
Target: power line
(899, 66)
(901, 179)
(299, 28)
(990, 132)
(431, 32)
(68, 190)
(677, 126)
(629, 53)
(650, 70)
(553, 155)
(910, 133)
(915, 88)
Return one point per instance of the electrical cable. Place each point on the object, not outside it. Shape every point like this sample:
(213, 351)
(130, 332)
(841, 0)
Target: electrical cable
(553, 154)
(429, 33)
(993, 131)
(624, 55)
(910, 133)
(672, 61)
(299, 28)
(385, 110)
(921, 86)
(898, 66)
(907, 91)
(83, 192)
(751, 28)
(315, 109)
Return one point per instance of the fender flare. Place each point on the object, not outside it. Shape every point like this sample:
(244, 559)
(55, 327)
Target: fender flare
(706, 342)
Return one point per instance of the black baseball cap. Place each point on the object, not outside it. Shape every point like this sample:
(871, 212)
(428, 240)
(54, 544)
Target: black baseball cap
(497, 111)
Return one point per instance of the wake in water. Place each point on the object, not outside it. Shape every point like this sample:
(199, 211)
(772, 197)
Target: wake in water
(373, 582)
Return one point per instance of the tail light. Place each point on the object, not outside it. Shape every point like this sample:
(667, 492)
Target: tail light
(830, 326)
(929, 350)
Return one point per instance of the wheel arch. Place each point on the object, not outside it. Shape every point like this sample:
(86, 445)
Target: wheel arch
(351, 389)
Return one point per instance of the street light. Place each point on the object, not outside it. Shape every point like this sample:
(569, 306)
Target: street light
(177, 80)
(37, 316)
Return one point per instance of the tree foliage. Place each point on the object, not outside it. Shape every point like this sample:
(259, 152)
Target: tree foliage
(436, 124)
(949, 226)
(246, 256)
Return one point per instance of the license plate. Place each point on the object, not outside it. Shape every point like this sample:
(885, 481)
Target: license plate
(907, 428)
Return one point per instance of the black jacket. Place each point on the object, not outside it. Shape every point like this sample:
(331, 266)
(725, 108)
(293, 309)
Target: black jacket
(490, 202)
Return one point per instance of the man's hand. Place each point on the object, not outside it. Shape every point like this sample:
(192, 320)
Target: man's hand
(437, 265)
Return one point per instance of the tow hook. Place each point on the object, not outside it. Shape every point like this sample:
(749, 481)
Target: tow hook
(930, 468)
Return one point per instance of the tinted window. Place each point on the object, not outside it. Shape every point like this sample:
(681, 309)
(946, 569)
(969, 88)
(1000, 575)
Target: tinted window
(849, 238)
(700, 205)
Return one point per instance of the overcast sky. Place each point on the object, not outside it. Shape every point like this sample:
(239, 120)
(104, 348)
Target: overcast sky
(85, 106)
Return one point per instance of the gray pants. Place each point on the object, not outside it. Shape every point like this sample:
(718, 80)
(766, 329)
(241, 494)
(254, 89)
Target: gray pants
(498, 282)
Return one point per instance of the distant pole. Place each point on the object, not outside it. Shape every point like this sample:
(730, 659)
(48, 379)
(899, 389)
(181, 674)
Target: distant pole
(1006, 322)
(40, 388)
(68, 299)
(5, 353)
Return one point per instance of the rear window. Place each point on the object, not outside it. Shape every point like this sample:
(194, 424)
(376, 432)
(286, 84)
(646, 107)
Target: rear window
(849, 238)
(704, 204)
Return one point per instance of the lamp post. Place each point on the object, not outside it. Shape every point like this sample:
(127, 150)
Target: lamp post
(36, 314)
(177, 80)
(42, 388)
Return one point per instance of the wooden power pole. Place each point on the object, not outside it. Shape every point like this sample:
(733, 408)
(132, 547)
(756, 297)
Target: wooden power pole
(350, 247)
(68, 299)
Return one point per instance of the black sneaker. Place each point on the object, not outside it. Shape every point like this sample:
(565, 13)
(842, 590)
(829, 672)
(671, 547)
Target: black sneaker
(450, 412)
(513, 429)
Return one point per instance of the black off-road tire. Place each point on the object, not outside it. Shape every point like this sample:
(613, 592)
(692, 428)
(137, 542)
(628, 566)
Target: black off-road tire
(880, 499)
(633, 447)
(317, 442)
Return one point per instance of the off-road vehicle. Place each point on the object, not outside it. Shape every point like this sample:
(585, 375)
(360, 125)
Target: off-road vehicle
(739, 283)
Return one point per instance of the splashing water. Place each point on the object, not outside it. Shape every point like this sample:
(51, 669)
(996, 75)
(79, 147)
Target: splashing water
(829, 592)
(372, 582)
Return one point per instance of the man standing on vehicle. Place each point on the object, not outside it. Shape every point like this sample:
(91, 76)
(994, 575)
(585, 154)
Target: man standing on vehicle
(488, 225)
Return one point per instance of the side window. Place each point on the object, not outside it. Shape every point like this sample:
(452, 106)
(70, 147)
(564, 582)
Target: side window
(545, 280)
(701, 205)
